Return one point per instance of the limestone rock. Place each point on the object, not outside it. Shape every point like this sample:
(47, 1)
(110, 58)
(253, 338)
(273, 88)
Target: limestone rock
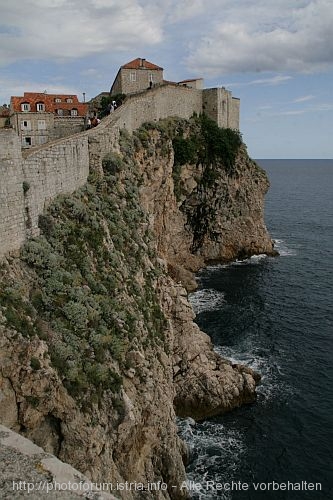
(169, 365)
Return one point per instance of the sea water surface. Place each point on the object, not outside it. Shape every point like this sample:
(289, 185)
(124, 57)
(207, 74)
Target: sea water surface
(276, 316)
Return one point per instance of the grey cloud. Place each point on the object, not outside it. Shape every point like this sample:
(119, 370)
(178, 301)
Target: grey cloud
(295, 39)
(61, 29)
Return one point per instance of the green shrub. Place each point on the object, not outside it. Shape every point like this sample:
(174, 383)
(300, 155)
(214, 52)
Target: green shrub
(185, 150)
(35, 363)
(112, 163)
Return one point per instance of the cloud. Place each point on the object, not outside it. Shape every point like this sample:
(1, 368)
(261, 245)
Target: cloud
(297, 38)
(318, 108)
(18, 87)
(304, 98)
(62, 29)
(274, 80)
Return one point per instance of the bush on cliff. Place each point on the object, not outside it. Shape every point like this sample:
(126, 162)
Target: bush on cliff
(92, 275)
(207, 144)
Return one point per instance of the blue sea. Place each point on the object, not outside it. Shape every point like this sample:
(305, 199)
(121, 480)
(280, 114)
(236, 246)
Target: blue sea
(276, 316)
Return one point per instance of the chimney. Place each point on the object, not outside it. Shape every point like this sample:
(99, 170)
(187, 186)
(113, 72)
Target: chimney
(142, 63)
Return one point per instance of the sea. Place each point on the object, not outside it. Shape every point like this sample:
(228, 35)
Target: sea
(274, 314)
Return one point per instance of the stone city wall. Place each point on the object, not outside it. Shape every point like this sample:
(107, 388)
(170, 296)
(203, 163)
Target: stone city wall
(12, 218)
(221, 107)
(30, 182)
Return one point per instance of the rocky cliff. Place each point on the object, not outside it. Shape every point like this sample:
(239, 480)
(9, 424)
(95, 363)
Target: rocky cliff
(99, 349)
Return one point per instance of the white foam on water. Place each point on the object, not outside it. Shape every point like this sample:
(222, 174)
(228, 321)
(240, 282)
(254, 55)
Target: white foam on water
(206, 300)
(270, 385)
(213, 447)
(254, 259)
(217, 451)
(283, 249)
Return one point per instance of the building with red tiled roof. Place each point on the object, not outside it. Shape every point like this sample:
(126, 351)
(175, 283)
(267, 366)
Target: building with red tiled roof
(217, 103)
(41, 117)
(135, 76)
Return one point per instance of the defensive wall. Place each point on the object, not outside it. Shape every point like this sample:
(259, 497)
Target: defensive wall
(30, 181)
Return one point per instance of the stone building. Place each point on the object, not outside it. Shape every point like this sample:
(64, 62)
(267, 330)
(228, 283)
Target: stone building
(135, 76)
(217, 103)
(220, 106)
(193, 83)
(41, 117)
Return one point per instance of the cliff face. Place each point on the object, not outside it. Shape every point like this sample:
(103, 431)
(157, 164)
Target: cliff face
(202, 209)
(99, 350)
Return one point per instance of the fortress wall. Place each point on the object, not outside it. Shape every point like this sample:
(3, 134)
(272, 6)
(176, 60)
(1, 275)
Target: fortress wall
(148, 106)
(234, 113)
(62, 166)
(12, 219)
(221, 107)
(158, 103)
(28, 184)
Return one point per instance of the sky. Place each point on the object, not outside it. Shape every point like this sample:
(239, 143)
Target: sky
(276, 56)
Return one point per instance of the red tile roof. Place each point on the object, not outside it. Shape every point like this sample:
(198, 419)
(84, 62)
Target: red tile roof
(141, 63)
(49, 100)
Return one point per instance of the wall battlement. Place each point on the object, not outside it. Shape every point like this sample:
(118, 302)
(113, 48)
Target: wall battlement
(28, 183)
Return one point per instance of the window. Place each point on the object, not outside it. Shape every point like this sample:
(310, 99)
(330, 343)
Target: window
(41, 125)
(57, 99)
(69, 99)
(25, 106)
(26, 125)
(42, 139)
(26, 142)
(133, 76)
(40, 106)
(74, 112)
(151, 77)
(60, 112)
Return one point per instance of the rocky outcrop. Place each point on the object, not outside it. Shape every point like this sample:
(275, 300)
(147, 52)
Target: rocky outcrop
(31, 472)
(99, 349)
(202, 214)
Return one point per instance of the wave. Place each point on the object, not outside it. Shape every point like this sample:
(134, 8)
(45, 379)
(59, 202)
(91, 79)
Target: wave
(216, 454)
(206, 299)
(271, 385)
(283, 249)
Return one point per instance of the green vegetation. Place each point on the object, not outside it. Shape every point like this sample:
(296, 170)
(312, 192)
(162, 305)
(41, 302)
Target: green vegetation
(208, 144)
(201, 142)
(89, 286)
(93, 270)
(35, 363)
(106, 101)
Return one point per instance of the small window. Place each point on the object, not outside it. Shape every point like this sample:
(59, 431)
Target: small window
(57, 99)
(26, 142)
(151, 77)
(41, 124)
(40, 106)
(74, 112)
(60, 112)
(42, 139)
(26, 125)
(25, 106)
(69, 99)
(133, 76)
